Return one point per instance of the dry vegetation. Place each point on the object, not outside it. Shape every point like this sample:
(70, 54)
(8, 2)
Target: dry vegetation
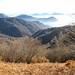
(67, 68)
(21, 50)
(27, 56)
(28, 50)
(62, 48)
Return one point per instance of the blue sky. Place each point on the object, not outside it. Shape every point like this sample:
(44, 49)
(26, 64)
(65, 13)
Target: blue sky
(14, 7)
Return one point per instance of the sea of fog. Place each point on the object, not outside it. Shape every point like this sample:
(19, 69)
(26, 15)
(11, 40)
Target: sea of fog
(62, 20)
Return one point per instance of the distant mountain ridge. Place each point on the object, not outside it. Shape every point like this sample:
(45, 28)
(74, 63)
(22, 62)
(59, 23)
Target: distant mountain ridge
(3, 15)
(42, 14)
(26, 17)
(47, 35)
(49, 19)
(55, 13)
(43, 20)
(31, 18)
(17, 27)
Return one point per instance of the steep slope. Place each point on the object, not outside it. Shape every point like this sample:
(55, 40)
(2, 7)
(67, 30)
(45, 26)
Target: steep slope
(49, 34)
(64, 40)
(17, 27)
(41, 25)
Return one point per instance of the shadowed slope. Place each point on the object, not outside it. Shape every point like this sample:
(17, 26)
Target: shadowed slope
(17, 27)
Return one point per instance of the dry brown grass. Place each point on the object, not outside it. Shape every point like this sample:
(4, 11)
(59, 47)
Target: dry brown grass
(37, 68)
(39, 60)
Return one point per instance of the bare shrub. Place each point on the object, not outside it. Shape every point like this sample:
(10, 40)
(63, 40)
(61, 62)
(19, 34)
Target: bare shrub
(13, 53)
(61, 54)
(19, 49)
(30, 48)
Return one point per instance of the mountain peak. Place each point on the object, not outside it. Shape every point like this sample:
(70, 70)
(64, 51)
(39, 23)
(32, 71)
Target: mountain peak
(26, 17)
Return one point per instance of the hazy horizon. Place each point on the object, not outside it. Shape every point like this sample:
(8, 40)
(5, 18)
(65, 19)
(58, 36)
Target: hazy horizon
(62, 20)
(29, 7)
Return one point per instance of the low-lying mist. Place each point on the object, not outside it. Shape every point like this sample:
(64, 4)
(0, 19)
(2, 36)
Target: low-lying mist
(62, 20)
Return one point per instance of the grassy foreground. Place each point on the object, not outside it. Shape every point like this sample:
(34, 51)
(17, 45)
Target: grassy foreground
(67, 68)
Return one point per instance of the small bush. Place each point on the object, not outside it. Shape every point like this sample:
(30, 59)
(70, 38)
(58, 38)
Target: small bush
(39, 60)
(34, 60)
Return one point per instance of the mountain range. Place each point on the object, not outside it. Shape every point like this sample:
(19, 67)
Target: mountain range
(31, 18)
(49, 19)
(43, 20)
(42, 14)
(18, 27)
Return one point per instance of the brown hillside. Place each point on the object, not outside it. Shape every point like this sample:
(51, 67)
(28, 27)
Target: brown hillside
(17, 27)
